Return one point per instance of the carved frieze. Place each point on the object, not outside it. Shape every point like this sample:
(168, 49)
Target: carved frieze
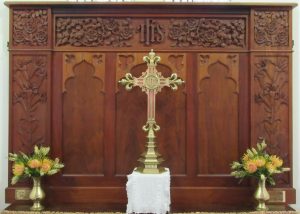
(29, 93)
(30, 27)
(271, 28)
(110, 32)
(208, 32)
(93, 32)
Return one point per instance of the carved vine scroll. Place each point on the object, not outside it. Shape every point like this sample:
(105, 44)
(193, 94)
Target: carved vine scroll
(208, 32)
(271, 28)
(93, 32)
(29, 94)
(30, 27)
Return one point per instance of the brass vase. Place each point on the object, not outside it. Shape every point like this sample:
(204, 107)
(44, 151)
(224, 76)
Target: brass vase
(37, 194)
(261, 194)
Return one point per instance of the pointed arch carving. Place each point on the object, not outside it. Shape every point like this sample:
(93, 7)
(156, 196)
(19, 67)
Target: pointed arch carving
(83, 102)
(217, 112)
(97, 60)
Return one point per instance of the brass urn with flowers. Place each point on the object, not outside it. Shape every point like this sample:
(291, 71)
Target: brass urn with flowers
(34, 166)
(257, 163)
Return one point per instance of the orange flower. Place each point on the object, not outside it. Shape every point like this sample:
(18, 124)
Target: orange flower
(18, 169)
(260, 162)
(34, 163)
(276, 161)
(250, 167)
(46, 165)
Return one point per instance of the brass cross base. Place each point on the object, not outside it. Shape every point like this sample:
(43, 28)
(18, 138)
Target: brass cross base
(150, 160)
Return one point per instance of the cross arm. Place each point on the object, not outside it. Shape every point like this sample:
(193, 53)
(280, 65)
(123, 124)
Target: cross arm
(128, 81)
(173, 81)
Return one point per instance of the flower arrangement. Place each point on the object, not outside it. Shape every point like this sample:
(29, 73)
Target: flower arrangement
(37, 165)
(257, 163)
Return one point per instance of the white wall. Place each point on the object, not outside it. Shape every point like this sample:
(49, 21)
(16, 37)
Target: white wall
(4, 100)
(296, 103)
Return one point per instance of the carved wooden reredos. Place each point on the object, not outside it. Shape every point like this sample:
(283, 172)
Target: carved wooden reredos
(66, 59)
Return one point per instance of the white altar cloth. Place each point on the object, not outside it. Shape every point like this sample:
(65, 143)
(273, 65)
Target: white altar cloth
(148, 193)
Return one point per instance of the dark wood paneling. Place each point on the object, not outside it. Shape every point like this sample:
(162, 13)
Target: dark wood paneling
(238, 88)
(83, 116)
(217, 87)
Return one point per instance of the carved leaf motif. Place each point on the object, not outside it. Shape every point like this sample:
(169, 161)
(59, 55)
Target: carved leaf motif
(271, 28)
(125, 62)
(93, 32)
(209, 33)
(29, 74)
(177, 62)
(30, 27)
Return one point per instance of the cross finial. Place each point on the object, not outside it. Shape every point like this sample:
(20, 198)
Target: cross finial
(151, 59)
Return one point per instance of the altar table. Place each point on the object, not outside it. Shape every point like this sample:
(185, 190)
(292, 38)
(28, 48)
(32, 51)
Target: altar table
(148, 193)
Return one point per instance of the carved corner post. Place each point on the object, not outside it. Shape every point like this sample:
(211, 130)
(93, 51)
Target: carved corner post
(271, 48)
(30, 73)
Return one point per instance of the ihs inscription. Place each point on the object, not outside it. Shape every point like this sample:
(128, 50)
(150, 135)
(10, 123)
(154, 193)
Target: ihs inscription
(151, 32)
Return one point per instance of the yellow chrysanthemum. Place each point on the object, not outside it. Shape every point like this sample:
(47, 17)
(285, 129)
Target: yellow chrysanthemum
(260, 162)
(18, 169)
(276, 161)
(250, 166)
(34, 163)
(270, 167)
(46, 165)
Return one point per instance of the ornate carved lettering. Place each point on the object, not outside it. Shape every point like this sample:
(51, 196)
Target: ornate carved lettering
(271, 28)
(208, 33)
(30, 27)
(93, 32)
(151, 32)
(29, 75)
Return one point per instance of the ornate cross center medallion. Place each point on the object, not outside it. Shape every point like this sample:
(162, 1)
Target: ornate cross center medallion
(151, 82)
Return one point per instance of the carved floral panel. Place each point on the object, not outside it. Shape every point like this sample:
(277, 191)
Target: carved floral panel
(93, 32)
(30, 27)
(169, 33)
(208, 32)
(271, 105)
(29, 98)
(271, 28)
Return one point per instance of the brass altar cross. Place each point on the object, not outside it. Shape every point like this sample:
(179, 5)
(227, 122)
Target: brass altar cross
(151, 82)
